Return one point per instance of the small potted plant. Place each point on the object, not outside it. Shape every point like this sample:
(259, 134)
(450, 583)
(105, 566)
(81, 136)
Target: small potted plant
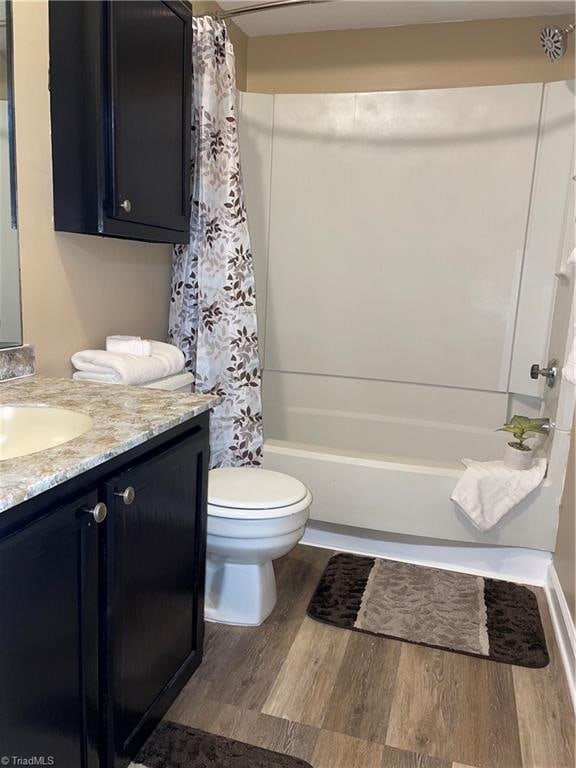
(517, 454)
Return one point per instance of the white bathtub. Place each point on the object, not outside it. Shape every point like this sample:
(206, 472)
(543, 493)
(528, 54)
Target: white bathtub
(396, 476)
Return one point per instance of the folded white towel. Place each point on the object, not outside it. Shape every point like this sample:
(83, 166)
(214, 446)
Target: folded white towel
(123, 368)
(489, 489)
(134, 345)
(569, 370)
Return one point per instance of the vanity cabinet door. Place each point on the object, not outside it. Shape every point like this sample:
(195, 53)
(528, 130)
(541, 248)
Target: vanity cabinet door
(48, 638)
(154, 555)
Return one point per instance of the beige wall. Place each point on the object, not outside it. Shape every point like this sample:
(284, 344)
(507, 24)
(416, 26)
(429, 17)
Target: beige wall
(3, 75)
(75, 288)
(240, 43)
(564, 558)
(398, 58)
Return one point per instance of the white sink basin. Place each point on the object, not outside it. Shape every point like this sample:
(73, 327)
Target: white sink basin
(27, 429)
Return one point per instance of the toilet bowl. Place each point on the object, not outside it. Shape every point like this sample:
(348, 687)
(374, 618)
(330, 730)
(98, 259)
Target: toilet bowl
(254, 517)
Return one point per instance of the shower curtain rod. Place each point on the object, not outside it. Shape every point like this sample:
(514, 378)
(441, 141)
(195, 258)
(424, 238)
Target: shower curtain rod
(262, 7)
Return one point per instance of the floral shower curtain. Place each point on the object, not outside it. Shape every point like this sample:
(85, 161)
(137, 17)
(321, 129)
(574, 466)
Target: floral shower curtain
(213, 303)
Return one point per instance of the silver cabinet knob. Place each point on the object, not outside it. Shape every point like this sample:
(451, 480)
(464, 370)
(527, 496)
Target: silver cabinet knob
(98, 512)
(126, 205)
(127, 495)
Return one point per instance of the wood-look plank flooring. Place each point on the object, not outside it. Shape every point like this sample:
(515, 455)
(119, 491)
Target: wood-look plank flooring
(342, 699)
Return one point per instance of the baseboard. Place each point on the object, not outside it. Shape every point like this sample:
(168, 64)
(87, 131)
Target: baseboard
(564, 628)
(526, 566)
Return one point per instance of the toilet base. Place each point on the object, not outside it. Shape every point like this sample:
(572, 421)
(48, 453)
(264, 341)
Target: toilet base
(239, 593)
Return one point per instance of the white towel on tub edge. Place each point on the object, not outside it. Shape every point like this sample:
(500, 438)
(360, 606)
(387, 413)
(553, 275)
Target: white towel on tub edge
(489, 489)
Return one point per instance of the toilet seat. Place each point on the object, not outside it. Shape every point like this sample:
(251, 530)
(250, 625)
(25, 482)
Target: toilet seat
(252, 493)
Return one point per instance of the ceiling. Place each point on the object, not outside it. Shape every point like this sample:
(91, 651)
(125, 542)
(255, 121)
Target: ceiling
(360, 14)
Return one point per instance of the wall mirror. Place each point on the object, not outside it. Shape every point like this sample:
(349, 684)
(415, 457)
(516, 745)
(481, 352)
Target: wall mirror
(10, 305)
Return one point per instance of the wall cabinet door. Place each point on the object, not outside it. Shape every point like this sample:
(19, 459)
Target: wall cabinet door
(150, 117)
(48, 638)
(154, 555)
(120, 92)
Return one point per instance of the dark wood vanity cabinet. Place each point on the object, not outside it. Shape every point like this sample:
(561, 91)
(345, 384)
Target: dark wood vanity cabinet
(49, 637)
(101, 623)
(120, 91)
(153, 549)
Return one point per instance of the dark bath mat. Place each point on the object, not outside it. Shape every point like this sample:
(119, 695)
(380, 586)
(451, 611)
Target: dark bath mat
(492, 619)
(177, 746)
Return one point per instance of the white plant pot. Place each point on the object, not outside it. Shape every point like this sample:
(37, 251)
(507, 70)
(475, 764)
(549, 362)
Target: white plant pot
(516, 459)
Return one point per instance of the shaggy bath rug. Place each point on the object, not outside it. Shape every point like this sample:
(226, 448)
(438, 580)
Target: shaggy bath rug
(177, 746)
(492, 619)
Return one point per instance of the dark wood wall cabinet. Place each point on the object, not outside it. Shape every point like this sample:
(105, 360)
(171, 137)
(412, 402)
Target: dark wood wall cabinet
(120, 89)
(102, 603)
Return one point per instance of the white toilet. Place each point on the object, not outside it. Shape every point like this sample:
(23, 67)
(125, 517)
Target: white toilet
(254, 517)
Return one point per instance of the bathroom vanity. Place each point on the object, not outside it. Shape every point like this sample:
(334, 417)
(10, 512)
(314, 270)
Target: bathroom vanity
(102, 556)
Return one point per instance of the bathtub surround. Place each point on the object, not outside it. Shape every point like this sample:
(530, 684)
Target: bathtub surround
(16, 362)
(366, 420)
(490, 619)
(272, 144)
(213, 304)
(569, 370)
(362, 156)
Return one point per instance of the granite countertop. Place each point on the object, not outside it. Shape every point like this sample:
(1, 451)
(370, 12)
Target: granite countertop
(124, 417)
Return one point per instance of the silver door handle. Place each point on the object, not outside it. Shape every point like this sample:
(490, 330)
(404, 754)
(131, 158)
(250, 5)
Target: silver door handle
(127, 495)
(98, 512)
(126, 205)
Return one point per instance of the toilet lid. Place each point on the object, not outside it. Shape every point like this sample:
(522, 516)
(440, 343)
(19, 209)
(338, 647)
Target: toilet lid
(253, 488)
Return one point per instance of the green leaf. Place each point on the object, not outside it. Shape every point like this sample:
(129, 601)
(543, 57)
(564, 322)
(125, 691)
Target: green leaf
(521, 426)
(538, 426)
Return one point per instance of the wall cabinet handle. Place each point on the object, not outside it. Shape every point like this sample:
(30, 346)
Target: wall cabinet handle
(126, 205)
(127, 495)
(98, 512)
